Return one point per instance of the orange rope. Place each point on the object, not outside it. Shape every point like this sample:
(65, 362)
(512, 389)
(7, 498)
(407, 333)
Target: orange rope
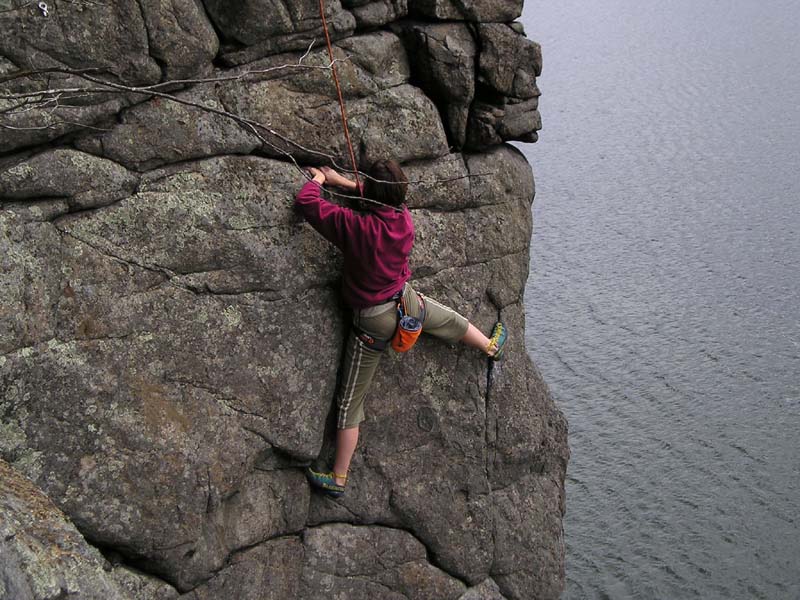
(339, 92)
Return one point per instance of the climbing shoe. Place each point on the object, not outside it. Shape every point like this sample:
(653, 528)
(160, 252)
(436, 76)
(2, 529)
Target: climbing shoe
(497, 340)
(325, 482)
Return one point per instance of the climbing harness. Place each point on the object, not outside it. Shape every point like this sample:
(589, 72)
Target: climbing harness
(406, 332)
(339, 93)
(372, 342)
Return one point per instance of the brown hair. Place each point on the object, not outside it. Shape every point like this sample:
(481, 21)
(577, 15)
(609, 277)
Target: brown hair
(386, 183)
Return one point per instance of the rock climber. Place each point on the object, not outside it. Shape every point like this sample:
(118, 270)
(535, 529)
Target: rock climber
(376, 244)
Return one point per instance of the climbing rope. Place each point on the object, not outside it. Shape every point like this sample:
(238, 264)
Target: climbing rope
(339, 93)
(347, 130)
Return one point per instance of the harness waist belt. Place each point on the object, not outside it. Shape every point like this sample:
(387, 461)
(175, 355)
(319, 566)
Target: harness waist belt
(394, 297)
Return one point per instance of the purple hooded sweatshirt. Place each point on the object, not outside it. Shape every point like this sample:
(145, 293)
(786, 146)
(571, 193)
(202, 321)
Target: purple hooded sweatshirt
(376, 245)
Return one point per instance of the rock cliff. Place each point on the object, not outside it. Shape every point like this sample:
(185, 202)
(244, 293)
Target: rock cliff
(170, 331)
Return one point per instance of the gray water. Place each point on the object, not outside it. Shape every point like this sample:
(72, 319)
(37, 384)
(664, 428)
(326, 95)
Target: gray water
(664, 296)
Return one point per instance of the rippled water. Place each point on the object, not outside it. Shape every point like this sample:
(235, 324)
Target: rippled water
(664, 297)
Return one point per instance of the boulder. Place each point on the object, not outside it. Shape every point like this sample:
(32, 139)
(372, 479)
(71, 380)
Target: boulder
(112, 38)
(492, 123)
(443, 56)
(187, 416)
(180, 37)
(486, 590)
(338, 560)
(509, 62)
(286, 105)
(258, 28)
(137, 140)
(369, 562)
(528, 510)
(253, 21)
(141, 586)
(29, 283)
(271, 570)
(481, 109)
(370, 14)
(506, 103)
(83, 180)
(442, 184)
(23, 128)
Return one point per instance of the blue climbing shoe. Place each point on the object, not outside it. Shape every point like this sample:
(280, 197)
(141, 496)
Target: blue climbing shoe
(325, 482)
(498, 340)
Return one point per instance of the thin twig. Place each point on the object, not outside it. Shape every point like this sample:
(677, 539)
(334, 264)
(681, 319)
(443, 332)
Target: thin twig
(54, 125)
(35, 72)
(49, 100)
(118, 87)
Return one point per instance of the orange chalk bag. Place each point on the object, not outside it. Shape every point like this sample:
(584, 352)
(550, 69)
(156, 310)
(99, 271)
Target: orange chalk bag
(408, 327)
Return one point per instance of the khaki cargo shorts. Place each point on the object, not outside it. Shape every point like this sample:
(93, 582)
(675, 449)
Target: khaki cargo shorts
(361, 361)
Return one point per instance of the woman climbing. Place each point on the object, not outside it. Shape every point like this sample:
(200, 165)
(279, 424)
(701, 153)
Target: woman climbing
(376, 245)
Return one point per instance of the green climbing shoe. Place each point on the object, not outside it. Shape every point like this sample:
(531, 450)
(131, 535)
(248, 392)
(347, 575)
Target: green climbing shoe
(324, 482)
(498, 340)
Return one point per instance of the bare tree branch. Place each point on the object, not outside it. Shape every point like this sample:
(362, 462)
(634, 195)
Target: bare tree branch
(43, 71)
(48, 100)
(43, 97)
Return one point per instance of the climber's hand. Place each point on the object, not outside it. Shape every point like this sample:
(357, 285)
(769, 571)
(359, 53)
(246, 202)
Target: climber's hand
(316, 175)
(334, 178)
(331, 176)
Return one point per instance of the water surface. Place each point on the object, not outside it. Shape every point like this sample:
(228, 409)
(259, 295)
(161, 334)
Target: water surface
(664, 297)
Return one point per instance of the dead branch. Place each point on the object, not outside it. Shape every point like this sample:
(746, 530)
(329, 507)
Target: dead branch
(50, 99)
(45, 97)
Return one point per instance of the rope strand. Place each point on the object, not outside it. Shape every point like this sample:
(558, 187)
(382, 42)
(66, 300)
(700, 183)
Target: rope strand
(339, 93)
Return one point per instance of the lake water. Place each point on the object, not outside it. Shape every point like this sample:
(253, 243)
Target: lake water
(664, 296)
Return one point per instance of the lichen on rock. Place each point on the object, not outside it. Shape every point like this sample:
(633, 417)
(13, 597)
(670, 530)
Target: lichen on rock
(44, 556)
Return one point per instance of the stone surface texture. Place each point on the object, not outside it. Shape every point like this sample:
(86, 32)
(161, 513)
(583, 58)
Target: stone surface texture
(43, 556)
(468, 10)
(171, 330)
(444, 58)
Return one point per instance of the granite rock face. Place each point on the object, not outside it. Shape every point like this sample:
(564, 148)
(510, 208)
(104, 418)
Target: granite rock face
(170, 330)
(135, 43)
(256, 28)
(374, 13)
(444, 57)
(43, 556)
(507, 101)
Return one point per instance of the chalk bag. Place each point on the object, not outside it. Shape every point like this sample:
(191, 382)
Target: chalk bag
(408, 329)
(406, 334)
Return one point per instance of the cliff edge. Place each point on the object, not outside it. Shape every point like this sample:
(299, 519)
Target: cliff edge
(171, 331)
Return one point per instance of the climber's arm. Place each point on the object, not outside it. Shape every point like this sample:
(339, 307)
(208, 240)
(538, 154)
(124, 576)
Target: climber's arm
(336, 223)
(334, 178)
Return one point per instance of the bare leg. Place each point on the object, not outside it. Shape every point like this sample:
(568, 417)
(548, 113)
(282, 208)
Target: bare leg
(476, 339)
(346, 440)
